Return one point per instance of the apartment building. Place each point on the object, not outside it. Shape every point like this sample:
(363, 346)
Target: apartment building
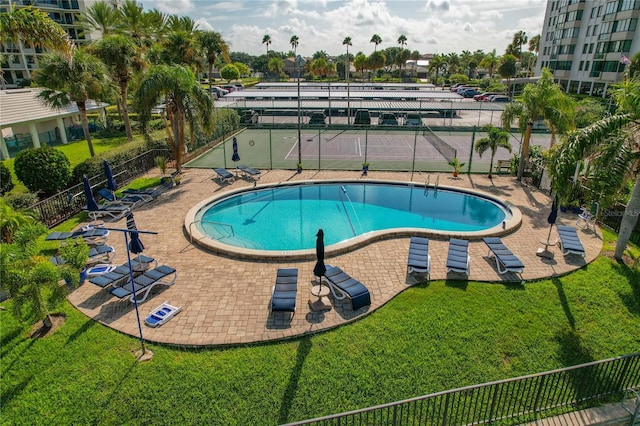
(585, 43)
(20, 60)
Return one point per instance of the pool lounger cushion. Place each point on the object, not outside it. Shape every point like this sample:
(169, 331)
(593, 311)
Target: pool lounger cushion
(506, 261)
(569, 241)
(284, 292)
(92, 236)
(249, 172)
(120, 274)
(419, 259)
(224, 175)
(458, 259)
(161, 314)
(347, 286)
(100, 269)
(145, 282)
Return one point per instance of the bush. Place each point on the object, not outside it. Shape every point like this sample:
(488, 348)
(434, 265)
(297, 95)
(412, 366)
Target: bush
(6, 183)
(22, 201)
(43, 170)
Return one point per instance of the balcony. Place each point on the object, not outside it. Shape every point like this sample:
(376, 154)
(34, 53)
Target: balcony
(595, 74)
(598, 56)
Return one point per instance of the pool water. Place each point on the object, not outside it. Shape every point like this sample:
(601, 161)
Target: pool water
(288, 217)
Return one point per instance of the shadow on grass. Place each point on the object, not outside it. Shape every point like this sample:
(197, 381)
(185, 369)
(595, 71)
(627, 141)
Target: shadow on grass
(304, 348)
(557, 282)
(13, 391)
(459, 284)
(17, 357)
(117, 392)
(86, 326)
(632, 299)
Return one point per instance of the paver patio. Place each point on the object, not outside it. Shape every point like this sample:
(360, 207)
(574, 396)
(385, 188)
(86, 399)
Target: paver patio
(225, 301)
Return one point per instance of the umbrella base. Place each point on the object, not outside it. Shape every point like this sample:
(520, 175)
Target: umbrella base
(321, 304)
(543, 252)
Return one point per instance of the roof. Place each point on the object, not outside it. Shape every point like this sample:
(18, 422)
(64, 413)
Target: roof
(19, 106)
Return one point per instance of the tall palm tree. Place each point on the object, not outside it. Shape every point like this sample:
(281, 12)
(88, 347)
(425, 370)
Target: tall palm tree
(294, 45)
(594, 137)
(118, 53)
(519, 39)
(73, 79)
(376, 61)
(347, 42)
(266, 39)
(534, 47)
(402, 40)
(101, 17)
(496, 138)
(137, 24)
(185, 101)
(401, 58)
(436, 63)
(376, 40)
(213, 45)
(276, 65)
(360, 63)
(543, 100)
(490, 62)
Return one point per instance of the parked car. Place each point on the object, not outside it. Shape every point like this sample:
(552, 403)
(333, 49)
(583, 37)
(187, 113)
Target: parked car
(469, 92)
(481, 97)
(500, 98)
(413, 119)
(317, 118)
(239, 86)
(249, 116)
(387, 119)
(461, 89)
(218, 92)
(362, 117)
(230, 87)
(455, 87)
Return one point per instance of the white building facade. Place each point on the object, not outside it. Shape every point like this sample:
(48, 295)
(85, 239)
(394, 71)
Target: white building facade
(585, 43)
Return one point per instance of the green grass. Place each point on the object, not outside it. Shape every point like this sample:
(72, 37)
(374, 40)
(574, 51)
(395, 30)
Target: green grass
(431, 337)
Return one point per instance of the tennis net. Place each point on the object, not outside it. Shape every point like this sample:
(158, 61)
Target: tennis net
(446, 150)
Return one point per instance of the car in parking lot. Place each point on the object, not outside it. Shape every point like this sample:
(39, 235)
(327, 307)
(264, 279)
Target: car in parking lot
(218, 92)
(413, 119)
(481, 97)
(499, 98)
(318, 118)
(362, 117)
(249, 116)
(239, 86)
(387, 119)
(469, 92)
(455, 87)
(230, 88)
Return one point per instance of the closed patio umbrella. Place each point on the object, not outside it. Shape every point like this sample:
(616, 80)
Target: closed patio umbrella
(92, 206)
(135, 244)
(111, 182)
(551, 219)
(320, 268)
(235, 157)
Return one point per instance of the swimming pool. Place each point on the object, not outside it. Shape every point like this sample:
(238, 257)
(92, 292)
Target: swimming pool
(284, 219)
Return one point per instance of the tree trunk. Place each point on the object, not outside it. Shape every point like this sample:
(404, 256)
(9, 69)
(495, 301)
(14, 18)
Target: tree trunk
(629, 220)
(178, 134)
(493, 153)
(82, 108)
(47, 322)
(210, 70)
(524, 155)
(125, 110)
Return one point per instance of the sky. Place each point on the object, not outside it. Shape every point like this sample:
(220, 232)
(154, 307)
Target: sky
(431, 26)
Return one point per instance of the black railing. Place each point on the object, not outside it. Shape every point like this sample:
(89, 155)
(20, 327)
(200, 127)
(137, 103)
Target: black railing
(612, 218)
(510, 401)
(65, 204)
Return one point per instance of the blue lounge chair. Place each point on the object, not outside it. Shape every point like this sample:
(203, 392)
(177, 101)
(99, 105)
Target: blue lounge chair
(100, 254)
(419, 259)
(92, 236)
(249, 172)
(121, 273)
(336, 278)
(283, 294)
(224, 175)
(569, 241)
(458, 259)
(114, 211)
(154, 192)
(161, 314)
(131, 200)
(142, 284)
(506, 261)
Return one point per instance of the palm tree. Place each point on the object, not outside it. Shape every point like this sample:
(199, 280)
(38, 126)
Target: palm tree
(376, 61)
(594, 137)
(534, 47)
(266, 39)
(402, 40)
(497, 138)
(347, 42)
(376, 40)
(519, 39)
(490, 61)
(360, 63)
(118, 53)
(543, 100)
(185, 101)
(294, 45)
(101, 17)
(436, 63)
(276, 65)
(73, 79)
(137, 24)
(213, 45)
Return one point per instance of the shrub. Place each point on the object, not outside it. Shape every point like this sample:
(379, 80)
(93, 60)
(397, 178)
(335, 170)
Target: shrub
(22, 201)
(43, 170)
(6, 183)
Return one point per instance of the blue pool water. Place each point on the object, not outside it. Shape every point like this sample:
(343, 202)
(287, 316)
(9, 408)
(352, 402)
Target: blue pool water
(288, 217)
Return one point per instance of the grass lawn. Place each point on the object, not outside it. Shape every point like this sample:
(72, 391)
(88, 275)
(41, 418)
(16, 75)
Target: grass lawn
(429, 338)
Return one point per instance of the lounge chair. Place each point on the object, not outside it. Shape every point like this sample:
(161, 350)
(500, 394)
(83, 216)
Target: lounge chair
(419, 259)
(336, 278)
(98, 254)
(92, 236)
(154, 192)
(588, 217)
(142, 284)
(161, 314)
(100, 269)
(224, 175)
(114, 211)
(506, 261)
(284, 292)
(569, 241)
(458, 259)
(121, 273)
(249, 172)
(131, 200)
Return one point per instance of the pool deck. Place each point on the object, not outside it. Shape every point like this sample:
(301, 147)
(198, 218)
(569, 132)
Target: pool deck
(225, 300)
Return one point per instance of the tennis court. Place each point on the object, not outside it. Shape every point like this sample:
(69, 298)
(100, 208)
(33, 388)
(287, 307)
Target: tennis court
(407, 150)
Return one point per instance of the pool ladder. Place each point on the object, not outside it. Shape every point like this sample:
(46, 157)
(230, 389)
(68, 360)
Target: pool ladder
(428, 181)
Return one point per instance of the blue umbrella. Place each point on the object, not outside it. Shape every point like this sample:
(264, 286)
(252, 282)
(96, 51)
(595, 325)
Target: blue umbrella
(92, 206)
(320, 269)
(135, 245)
(235, 157)
(111, 182)
(553, 215)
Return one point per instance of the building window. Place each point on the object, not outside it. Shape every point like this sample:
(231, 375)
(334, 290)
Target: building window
(588, 30)
(595, 30)
(599, 11)
(581, 66)
(591, 48)
(586, 66)
(585, 47)
(593, 12)
(629, 5)
(612, 7)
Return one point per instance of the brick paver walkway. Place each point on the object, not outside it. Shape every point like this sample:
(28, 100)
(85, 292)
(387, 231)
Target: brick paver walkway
(225, 300)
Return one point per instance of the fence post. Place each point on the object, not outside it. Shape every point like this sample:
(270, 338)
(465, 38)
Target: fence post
(473, 140)
(319, 145)
(270, 151)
